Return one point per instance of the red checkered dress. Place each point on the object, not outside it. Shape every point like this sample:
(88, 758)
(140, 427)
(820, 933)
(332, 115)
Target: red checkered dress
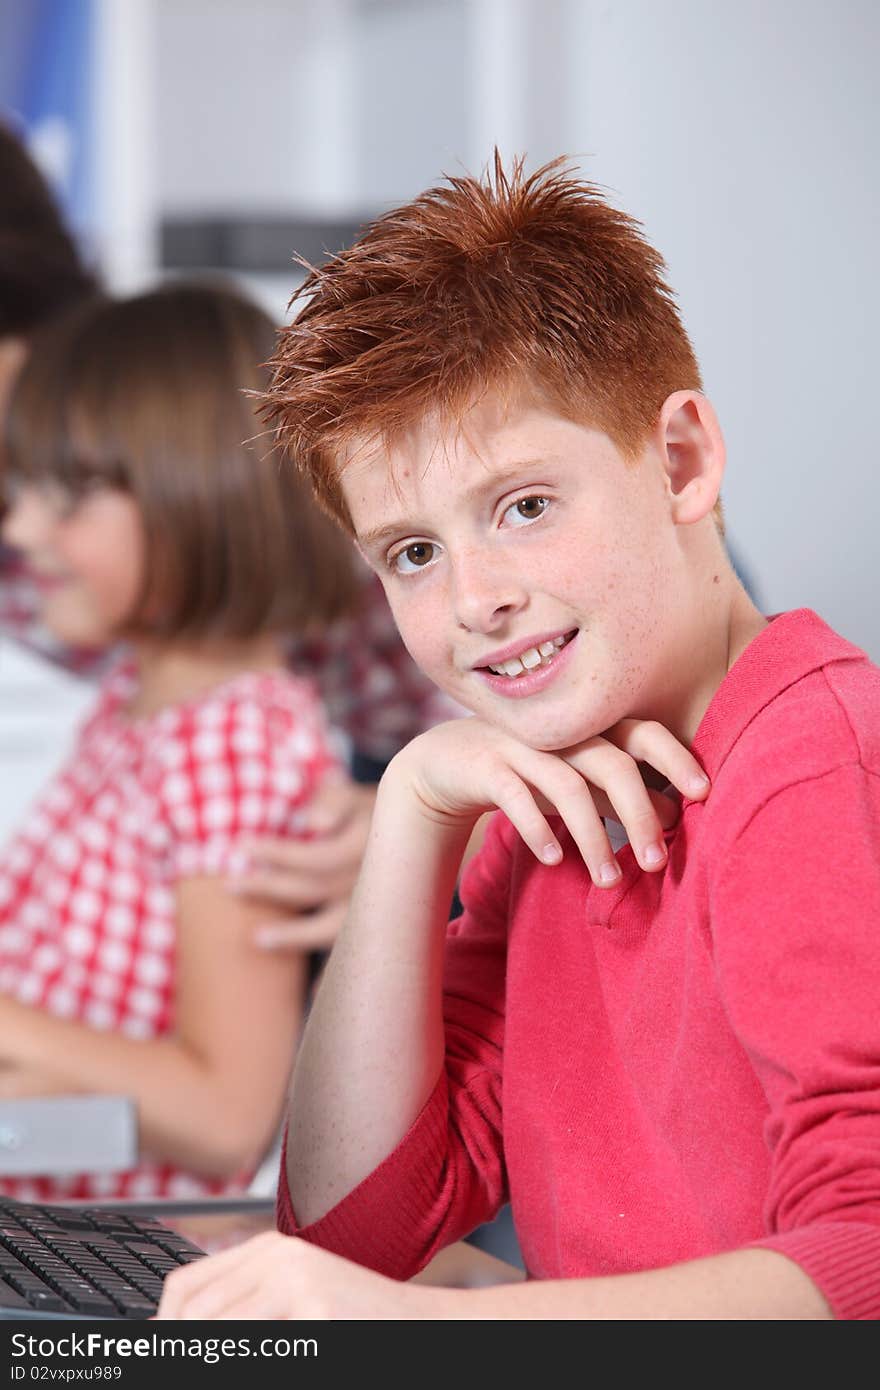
(87, 927)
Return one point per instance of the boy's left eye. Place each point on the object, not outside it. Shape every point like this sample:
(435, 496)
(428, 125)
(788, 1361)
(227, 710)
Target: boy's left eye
(526, 509)
(415, 556)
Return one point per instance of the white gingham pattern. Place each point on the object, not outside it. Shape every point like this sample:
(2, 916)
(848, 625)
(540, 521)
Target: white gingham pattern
(87, 886)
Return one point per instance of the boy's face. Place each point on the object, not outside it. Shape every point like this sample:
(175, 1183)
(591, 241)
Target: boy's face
(525, 542)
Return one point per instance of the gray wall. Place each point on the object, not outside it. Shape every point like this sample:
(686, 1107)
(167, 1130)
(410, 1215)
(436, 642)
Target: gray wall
(744, 135)
(746, 138)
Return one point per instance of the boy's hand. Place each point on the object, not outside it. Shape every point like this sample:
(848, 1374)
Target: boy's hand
(281, 1277)
(458, 770)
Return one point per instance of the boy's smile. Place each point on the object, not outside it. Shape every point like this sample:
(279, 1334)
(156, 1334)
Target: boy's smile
(519, 670)
(536, 576)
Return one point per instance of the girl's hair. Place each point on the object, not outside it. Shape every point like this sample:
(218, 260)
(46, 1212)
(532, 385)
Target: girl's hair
(153, 395)
(505, 282)
(40, 268)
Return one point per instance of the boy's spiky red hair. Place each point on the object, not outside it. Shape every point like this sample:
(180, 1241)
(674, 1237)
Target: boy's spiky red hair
(510, 282)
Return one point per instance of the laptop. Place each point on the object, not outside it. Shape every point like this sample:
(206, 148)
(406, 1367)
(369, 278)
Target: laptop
(76, 1261)
(84, 1262)
(73, 1260)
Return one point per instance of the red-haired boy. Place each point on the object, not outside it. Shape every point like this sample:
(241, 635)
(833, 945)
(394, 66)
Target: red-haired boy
(673, 1076)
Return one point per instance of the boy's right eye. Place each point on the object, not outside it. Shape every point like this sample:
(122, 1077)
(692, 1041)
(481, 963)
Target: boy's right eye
(413, 557)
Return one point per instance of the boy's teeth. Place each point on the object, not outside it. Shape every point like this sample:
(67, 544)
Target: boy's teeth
(528, 660)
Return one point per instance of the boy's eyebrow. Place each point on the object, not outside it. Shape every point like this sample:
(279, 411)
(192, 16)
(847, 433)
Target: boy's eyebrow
(379, 535)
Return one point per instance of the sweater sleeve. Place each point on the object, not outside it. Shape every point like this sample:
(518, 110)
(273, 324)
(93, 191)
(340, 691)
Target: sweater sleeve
(796, 927)
(447, 1174)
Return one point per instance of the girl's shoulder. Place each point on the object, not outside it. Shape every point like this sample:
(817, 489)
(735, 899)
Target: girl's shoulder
(241, 761)
(271, 717)
(275, 701)
(115, 689)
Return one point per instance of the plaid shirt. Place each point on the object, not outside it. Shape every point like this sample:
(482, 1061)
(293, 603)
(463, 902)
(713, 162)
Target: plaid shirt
(87, 886)
(370, 686)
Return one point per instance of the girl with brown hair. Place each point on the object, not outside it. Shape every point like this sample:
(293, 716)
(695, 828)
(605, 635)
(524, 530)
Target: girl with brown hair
(148, 509)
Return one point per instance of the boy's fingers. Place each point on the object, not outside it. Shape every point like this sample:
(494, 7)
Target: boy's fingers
(618, 776)
(230, 1269)
(516, 800)
(574, 802)
(560, 788)
(649, 742)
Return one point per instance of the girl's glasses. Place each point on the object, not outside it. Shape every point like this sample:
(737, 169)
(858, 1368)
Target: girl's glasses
(60, 498)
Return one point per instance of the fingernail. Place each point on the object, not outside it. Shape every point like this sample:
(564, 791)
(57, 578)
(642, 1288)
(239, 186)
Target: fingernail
(654, 854)
(551, 854)
(609, 873)
(697, 785)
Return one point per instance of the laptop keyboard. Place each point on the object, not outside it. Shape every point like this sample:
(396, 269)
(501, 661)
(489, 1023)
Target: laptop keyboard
(89, 1262)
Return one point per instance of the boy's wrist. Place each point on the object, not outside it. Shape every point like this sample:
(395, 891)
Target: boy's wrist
(399, 794)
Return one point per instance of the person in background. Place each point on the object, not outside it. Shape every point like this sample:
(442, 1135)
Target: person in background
(373, 691)
(41, 271)
(149, 510)
(376, 696)
(41, 274)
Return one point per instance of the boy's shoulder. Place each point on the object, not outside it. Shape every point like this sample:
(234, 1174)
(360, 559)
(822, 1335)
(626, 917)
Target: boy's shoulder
(805, 705)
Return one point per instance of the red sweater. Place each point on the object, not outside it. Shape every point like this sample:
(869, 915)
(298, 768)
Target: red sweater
(688, 1063)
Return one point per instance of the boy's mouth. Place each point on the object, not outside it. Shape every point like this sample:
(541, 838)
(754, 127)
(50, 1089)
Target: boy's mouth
(530, 658)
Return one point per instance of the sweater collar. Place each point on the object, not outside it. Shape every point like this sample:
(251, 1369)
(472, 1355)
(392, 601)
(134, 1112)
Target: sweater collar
(791, 646)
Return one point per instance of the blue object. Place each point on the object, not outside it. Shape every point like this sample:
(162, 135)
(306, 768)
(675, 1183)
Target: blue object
(46, 67)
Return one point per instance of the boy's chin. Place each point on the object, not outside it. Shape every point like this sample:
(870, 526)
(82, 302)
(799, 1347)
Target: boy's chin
(544, 737)
(553, 741)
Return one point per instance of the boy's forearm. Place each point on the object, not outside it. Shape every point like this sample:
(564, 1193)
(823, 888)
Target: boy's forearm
(373, 1047)
(741, 1285)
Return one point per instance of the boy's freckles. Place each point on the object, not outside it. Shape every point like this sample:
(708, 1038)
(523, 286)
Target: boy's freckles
(601, 563)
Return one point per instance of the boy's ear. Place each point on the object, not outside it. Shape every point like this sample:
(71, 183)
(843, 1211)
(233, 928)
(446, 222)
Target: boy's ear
(689, 440)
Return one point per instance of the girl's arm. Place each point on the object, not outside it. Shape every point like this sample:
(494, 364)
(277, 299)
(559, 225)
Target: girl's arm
(210, 1096)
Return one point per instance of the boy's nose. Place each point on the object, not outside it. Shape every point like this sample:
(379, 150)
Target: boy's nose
(486, 593)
